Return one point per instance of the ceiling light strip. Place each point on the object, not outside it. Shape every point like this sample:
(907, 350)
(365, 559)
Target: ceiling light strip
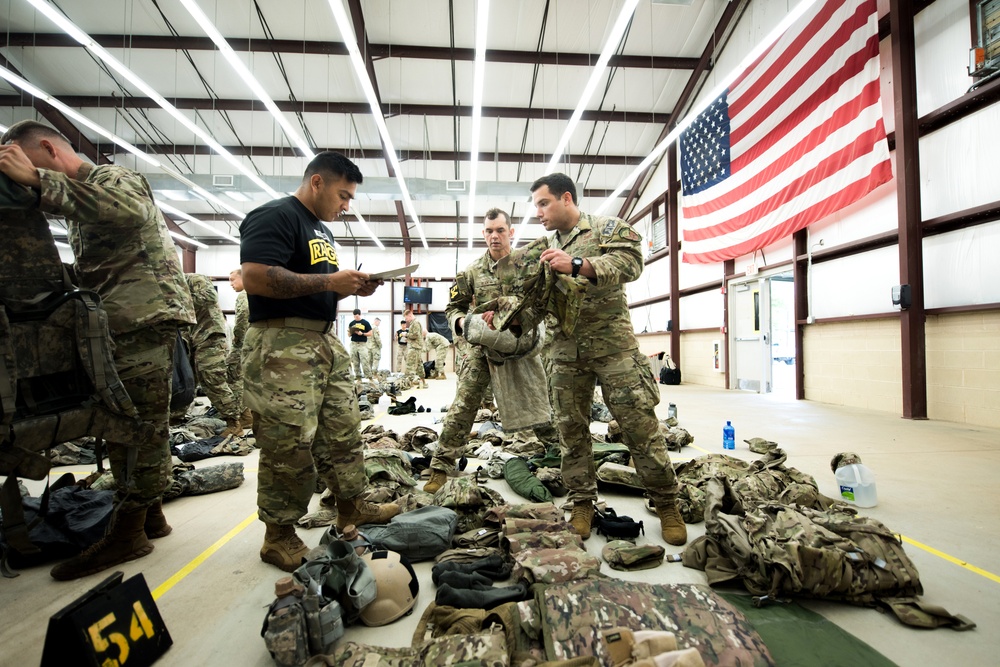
(350, 41)
(614, 39)
(83, 38)
(478, 76)
(167, 208)
(368, 230)
(708, 99)
(186, 239)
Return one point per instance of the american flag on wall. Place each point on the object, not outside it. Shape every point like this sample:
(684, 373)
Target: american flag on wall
(796, 137)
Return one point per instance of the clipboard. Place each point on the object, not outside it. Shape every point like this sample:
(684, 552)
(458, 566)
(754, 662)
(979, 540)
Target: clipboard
(393, 273)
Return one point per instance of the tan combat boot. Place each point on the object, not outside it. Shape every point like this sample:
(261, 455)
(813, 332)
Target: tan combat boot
(282, 547)
(583, 517)
(672, 525)
(156, 525)
(233, 427)
(437, 480)
(360, 512)
(125, 540)
(246, 419)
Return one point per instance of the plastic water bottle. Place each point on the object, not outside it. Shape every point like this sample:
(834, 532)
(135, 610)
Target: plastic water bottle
(728, 436)
(857, 485)
(672, 411)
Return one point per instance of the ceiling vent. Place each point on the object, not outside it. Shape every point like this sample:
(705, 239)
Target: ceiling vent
(223, 181)
(454, 186)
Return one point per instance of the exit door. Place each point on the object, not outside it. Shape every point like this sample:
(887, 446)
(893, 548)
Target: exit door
(750, 346)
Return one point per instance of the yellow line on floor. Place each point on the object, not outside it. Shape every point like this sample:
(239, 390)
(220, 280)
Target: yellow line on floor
(951, 559)
(200, 558)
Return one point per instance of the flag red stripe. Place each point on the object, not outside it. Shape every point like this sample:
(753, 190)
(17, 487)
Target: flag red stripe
(847, 112)
(825, 169)
(880, 173)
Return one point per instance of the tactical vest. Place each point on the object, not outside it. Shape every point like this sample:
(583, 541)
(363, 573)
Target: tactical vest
(58, 380)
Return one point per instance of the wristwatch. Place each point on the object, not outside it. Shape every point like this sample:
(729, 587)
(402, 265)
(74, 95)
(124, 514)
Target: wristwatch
(577, 265)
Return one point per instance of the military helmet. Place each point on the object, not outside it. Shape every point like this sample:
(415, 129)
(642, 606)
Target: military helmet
(397, 588)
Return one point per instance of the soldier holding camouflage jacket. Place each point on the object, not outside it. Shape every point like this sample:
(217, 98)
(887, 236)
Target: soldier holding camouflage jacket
(124, 253)
(606, 251)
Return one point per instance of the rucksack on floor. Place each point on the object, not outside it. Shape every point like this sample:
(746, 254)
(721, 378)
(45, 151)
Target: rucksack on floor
(670, 373)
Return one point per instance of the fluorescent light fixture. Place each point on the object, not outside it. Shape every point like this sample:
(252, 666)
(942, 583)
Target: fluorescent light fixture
(60, 244)
(709, 98)
(368, 230)
(482, 22)
(351, 42)
(236, 195)
(167, 208)
(38, 93)
(614, 39)
(248, 78)
(186, 239)
(83, 38)
(175, 195)
(3, 128)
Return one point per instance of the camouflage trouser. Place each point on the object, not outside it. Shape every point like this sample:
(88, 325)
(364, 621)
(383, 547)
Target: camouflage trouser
(361, 360)
(305, 419)
(400, 359)
(415, 362)
(209, 361)
(440, 355)
(631, 394)
(472, 382)
(145, 362)
(234, 375)
(374, 357)
(461, 354)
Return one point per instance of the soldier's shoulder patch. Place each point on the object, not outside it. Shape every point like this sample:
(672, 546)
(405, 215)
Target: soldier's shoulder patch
(628, 234)
(609, 227)
(454, 291)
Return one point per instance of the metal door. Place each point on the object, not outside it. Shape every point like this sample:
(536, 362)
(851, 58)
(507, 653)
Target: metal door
(750, 322)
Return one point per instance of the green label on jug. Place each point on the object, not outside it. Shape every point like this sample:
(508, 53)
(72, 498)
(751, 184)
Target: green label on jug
(847, 492)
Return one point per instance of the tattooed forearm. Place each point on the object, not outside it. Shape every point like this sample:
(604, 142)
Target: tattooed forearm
(284, 284)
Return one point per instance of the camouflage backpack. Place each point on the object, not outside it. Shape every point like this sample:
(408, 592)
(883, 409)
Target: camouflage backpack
(779, 550)
(469, 499)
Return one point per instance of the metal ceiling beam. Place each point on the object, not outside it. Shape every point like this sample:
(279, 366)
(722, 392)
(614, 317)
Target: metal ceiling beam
(445, 156)
(427, 219)
(388, 110)
(361, 34)
(374, 51)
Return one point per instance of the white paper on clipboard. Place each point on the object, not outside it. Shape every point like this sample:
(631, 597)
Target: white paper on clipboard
(393, 273)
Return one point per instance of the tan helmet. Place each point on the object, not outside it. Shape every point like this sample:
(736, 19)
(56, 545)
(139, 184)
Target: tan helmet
(397, 588)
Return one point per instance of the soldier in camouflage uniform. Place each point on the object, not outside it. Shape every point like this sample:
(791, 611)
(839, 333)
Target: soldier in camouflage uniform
(608, 252)
(401, 347)
(476, 285)
(234, 362)
(441, 346)
(207, 342)
(360, 331)
(414, 349)
(124, 253)
(375, 353)
(304, 406)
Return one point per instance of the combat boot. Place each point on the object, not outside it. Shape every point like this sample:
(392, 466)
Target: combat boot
(156, 525)
(233, 427)
(246, 419)
(437, 480)
(672, 524)
(359, 512)
(125, 540)
(282, 547)
(582, 517)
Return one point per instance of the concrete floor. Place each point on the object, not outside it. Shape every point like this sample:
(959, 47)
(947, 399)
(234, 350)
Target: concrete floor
(936, 486)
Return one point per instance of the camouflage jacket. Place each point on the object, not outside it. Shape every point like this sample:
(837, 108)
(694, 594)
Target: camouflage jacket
(210, 322)
(242, 320)
(122, 248)
(376, 337)
(415, 336)
(436, 340)
(604, 325)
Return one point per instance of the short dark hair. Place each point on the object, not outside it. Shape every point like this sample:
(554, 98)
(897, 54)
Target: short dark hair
(495, 213)
(557, 184)
(331, 163)
(357, 312)
(31, 130)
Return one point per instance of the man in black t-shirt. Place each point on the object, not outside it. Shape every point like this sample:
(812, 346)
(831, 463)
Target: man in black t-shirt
(296, 369)
(401, 347)
(361, 360)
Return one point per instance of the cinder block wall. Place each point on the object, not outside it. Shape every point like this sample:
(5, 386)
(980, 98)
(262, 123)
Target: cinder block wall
(963, 368)
(854, 363)
(696, 355)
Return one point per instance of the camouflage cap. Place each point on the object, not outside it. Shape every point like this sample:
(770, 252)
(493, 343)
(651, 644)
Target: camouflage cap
(624, 555)
(844, 459)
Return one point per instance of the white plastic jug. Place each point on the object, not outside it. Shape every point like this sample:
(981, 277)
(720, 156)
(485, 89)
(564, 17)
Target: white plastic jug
(857, 485)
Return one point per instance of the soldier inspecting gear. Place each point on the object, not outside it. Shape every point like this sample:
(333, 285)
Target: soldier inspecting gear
(206, 340)
(124, 253)
(608, 253)
(401, 347)
(414, 349)
(441, 345)
(298, 374)
(477, 284)
(234, 362)
(375, 345)
(360, 331)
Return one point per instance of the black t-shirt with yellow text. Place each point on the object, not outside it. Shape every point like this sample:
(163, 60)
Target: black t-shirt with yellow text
(358, 329)
(285, 233)
(401, 336)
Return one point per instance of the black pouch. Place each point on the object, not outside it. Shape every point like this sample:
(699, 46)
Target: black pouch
(614, 527)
